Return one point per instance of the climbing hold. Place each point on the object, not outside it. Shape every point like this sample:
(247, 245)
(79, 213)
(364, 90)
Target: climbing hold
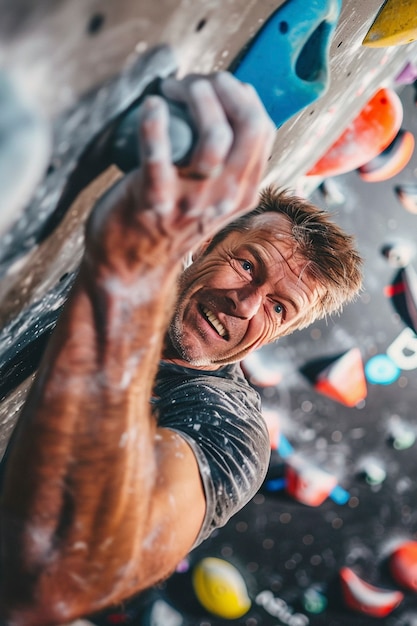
(275, 484)
(372, 471)
(365, 598)
(272, 423)
(183, 566)
(307, 483)
(390, 161)
(381, 370)
(403, 565)
(182, 134)
(344, 380)
(301, 479)
(339, 495)
(287, 61)
(220, 588)
(277, 440)
(408, 74)
(163, 614)
(403, 350)
(364, 138)
(314, 600)
(401, 435)
(261, 370)
(407, 195)
(331, 192)
(399, 253)
(409, 280)
(284, 448)
(403, 294)
(395, 25)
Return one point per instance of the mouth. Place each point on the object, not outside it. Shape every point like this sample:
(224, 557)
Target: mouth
(214, 322)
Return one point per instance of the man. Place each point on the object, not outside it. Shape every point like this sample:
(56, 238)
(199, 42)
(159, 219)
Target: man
(104, 491)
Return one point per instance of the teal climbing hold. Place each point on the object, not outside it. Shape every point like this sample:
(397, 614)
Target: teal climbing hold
(381, 370)
(314, 600)
(288, 60)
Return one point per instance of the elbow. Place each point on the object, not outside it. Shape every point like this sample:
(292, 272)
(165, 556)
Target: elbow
(36, 612)
(44, 599)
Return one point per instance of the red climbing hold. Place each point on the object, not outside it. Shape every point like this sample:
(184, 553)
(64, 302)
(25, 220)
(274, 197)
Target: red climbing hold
(307, 483)
(365, 598)
(366, 137)
(344, 379)
(403, 565)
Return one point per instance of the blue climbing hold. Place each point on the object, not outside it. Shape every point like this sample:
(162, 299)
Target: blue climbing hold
(339, 495)
(284, 448)
(288, 60)
(381, 370)
(275, 484)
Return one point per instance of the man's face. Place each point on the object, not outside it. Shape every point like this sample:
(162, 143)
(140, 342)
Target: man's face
(241, 295)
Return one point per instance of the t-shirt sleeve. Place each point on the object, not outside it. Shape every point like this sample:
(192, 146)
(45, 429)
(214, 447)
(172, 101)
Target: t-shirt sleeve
(222, 422)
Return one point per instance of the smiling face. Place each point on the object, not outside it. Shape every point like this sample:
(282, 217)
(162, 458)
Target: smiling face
(245, 292)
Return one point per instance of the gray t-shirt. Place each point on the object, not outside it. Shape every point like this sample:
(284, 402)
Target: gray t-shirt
(219, 415)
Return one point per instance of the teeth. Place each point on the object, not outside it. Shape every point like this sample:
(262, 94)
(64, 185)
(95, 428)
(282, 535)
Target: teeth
(214, 321)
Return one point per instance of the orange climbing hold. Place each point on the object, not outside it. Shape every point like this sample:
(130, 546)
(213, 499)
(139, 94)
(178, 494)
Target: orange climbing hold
(367, 136)
(365, 598)
(391, 160)
(403, 565)
(344, 379)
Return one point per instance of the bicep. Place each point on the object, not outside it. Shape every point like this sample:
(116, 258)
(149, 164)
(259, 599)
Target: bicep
(178, 505)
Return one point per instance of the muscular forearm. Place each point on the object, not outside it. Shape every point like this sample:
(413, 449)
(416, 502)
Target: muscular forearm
(83, 458)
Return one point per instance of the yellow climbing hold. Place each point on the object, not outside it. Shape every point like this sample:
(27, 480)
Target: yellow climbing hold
(220, 588)
(395, 25)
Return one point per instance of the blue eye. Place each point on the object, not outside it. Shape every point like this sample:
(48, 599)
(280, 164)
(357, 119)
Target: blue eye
(278, 309)
(247, 266)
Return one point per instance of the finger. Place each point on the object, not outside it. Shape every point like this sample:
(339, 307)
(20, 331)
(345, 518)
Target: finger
(177, 89)
(253, 130)
(213, 129)
(155, 152)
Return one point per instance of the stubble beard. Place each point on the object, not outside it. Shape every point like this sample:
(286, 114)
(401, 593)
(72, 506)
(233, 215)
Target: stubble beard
(176, 337)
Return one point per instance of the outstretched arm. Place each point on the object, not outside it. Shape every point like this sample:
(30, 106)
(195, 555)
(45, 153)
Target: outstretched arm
(97, 502)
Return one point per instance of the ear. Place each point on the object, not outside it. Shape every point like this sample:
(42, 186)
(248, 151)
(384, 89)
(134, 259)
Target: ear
(200, 250)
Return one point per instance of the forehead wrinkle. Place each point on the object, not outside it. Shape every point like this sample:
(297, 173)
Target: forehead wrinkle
(288, 255)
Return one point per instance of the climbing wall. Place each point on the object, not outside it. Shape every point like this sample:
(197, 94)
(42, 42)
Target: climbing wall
(339, 397)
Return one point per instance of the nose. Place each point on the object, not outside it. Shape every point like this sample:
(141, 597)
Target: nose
(245, 302)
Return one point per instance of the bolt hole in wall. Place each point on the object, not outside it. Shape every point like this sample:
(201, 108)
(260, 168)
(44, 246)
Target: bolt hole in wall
(95, 24)
(200, 25)
(283, 27)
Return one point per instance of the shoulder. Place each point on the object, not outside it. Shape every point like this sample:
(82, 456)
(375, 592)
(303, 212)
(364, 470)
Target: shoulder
(227, 382)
